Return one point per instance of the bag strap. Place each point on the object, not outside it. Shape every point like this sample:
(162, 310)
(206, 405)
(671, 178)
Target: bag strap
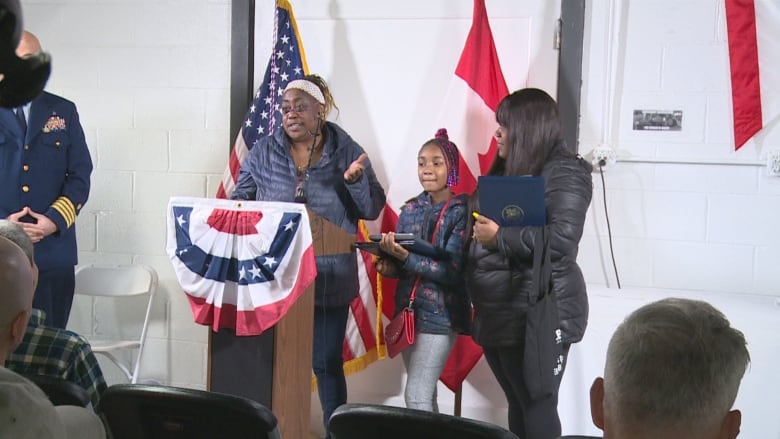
(438, 221)
(433, 238)
(541, 271)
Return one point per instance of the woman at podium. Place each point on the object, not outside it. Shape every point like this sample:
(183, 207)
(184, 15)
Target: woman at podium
(314, 161)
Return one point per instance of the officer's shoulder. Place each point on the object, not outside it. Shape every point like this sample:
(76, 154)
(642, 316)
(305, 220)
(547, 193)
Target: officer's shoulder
(52, 99)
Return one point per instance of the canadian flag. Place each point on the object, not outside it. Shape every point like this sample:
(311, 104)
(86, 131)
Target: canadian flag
(469, 115)
(755, 65)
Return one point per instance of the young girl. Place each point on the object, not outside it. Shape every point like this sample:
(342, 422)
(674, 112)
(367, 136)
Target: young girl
(441, 307)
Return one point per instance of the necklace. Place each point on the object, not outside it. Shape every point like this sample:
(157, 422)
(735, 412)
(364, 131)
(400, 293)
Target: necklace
(303, 170)
(303, 160)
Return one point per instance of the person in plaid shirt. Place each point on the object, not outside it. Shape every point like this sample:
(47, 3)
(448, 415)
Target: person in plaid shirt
(51, 351)
(58, 352)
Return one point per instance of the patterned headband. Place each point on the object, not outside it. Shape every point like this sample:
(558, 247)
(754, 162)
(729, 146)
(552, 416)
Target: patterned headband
(307, 86)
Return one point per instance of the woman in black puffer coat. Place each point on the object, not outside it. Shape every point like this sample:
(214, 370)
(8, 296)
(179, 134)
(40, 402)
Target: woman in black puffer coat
(500, 259)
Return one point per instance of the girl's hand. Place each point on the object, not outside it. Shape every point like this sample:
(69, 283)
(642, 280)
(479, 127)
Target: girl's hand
(386, 268)
(485, 230)
(392, 248)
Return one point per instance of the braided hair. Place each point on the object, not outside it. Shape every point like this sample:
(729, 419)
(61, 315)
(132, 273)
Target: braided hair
(450, 152)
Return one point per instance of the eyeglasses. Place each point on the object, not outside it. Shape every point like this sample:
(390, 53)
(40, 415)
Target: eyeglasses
(300, 108)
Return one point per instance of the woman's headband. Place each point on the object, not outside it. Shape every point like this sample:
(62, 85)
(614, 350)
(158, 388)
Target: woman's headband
(307, 86)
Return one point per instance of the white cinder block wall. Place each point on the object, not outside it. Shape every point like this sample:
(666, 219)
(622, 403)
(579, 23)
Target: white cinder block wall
(151, 78)
(686, 210)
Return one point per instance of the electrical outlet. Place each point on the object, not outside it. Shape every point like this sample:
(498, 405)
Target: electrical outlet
(603, 156)
(773, 163)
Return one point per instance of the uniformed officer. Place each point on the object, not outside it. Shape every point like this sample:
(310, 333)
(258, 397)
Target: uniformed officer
(45, 170)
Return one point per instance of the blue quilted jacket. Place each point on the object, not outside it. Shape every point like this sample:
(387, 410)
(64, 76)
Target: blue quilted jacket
(440, 303)
(269, 174)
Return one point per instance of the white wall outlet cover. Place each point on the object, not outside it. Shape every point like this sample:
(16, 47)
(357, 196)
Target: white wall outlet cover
(773, 162)
(602, 156)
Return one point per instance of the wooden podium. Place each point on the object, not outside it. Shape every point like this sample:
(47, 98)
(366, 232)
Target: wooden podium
(274, 368)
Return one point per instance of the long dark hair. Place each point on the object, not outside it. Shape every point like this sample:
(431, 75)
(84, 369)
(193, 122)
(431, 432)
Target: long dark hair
(533, 128)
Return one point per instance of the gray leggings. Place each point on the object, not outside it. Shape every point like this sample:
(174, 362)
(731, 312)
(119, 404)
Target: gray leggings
(424, 360)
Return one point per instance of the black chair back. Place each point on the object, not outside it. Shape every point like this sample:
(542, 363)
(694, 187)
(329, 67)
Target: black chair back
(60, 391)
(359, 421)
(132, 411)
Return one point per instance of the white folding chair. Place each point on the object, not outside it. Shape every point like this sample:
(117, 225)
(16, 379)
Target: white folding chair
(116, 282)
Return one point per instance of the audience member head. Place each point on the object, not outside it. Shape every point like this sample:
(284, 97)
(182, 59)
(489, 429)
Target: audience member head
(673, 370)
(11, 28)
(24, 68)
(28, 45)
(16, 295)
(529, 127)
(15, 233)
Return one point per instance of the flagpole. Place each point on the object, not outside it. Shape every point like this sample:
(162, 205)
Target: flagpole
(458, 400)
(242, 61)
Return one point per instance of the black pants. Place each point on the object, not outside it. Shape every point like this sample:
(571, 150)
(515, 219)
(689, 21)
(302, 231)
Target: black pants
(330, 324)
(54, 295)
(528, 419)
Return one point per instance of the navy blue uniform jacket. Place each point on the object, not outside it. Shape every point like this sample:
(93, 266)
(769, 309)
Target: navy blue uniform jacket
(48, 171)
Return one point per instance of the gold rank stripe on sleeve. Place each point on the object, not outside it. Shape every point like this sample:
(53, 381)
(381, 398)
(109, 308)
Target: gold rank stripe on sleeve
(64, 206)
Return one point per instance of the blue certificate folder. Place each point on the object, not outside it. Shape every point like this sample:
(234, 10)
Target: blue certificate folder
(512, 201)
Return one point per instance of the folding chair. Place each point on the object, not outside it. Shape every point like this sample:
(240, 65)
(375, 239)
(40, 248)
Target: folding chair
(59, 390)
(358, 421)
(119, 282)
(133, 411)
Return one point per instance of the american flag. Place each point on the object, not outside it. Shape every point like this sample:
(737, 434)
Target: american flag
(287, 62)
(363, 343)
